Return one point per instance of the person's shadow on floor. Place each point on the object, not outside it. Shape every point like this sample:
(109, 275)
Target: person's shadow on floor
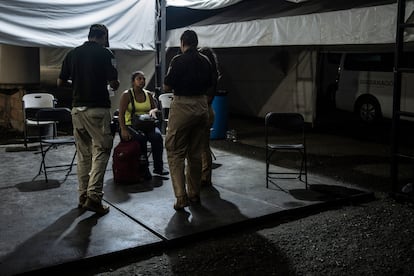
(213, 212)
(216, 244)
(65, 239)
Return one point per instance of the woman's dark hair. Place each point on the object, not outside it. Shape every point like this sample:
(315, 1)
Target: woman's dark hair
(136, 73)
(211, 55)
(189, 38)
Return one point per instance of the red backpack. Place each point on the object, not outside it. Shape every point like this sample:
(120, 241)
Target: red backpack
(126, 164)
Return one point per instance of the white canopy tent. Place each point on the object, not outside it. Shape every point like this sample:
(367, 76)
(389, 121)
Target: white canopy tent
(224, 23)
(221, 24)
(368, 25)
(35, 35)
(276, 44)
(202, 4)
(62, 23)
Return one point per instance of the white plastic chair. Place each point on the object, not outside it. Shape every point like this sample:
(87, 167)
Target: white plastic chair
(31, 104)
(165, 100)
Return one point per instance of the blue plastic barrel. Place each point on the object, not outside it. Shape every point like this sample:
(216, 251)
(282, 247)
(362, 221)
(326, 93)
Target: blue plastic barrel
(220, 107)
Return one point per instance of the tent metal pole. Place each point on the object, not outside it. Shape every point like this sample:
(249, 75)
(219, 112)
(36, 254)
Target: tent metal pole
(160, 47)
(163, 39)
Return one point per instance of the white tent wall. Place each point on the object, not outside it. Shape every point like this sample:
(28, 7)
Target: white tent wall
(50, 62)
(297, 91)
(128, 62)
(18, 65)
(263, 79)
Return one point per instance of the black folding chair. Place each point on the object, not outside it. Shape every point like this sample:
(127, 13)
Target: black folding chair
(61, 116)
(285, 132)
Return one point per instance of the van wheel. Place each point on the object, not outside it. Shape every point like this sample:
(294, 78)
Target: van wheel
(368, 110)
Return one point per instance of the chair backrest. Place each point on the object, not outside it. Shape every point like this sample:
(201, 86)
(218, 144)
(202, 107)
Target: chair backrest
(34, 101)
(293, 121)
(38, 100)
(165, 100)
(290, 123)
(58, 115)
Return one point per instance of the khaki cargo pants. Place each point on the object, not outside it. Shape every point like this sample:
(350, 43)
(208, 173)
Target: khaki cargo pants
(184, 142)
(91, 128)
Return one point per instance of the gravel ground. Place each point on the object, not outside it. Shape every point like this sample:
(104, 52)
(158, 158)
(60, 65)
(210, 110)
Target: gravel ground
(374, 238)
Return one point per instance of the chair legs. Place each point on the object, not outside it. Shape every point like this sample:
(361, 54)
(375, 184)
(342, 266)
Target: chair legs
(271, 176)
(288, 129)
(43, 168)
(48, 133)
(149, 150)
(304, 170)
(71, 163)
(25, 136)
(212, 154)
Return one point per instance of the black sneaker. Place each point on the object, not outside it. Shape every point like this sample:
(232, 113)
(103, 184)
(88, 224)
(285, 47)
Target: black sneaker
(194, 200)
(205, 183)
(160, 172)
(96, 207)
(82, 201)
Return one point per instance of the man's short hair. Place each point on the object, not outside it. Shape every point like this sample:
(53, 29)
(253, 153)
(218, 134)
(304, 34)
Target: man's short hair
(189, 38)
(98, 31)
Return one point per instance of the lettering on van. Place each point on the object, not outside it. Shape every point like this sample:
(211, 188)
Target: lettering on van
(377, 82)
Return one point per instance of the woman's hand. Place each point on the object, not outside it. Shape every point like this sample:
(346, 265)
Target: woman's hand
(153, 113)
(126, 136)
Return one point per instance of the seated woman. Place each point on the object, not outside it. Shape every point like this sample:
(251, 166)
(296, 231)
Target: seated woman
(144, 104)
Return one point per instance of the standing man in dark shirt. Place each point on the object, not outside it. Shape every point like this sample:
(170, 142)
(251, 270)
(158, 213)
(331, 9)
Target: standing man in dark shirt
(90, 67)
(188, 77)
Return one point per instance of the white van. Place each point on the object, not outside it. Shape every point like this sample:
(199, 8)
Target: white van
(365, 85)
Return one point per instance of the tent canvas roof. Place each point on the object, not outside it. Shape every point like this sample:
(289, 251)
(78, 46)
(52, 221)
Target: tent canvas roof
(264, 23)
(62, 23)
(219, 23)
(248, 10)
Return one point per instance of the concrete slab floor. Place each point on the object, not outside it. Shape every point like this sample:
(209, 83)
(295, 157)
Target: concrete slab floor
(40, 225)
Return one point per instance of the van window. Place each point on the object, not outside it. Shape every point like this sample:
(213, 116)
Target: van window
(365, 85)
(407, 59)
(334, 58)
(381, 62)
